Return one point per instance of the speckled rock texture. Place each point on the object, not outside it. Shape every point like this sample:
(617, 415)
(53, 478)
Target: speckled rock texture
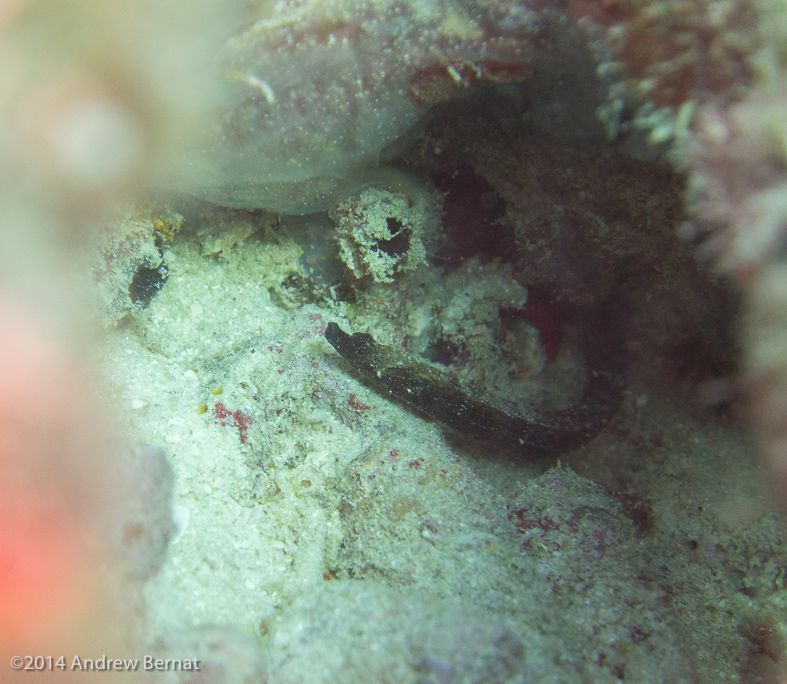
(317, 91)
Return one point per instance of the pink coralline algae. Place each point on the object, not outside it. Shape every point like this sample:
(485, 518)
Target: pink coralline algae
(238, 419)
(318, 90)
(559, 513)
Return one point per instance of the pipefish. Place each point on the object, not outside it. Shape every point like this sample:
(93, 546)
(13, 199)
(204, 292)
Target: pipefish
(439, 396)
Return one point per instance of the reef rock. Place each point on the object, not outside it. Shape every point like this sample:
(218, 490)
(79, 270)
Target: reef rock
(316, 91)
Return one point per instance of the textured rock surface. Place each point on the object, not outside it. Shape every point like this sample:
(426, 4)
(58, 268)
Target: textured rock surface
(381, 233)
(318, 90)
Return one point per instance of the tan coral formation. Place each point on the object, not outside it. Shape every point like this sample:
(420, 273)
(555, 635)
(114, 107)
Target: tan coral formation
(737, 156)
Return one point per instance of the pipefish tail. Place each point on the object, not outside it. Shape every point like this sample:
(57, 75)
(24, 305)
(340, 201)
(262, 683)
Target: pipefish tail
(438, 396)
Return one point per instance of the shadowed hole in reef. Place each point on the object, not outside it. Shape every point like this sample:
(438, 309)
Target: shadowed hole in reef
(442, 351)
(399, 243)
(146, 283)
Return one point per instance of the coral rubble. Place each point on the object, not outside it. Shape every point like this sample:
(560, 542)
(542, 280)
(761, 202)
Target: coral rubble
(381, 233)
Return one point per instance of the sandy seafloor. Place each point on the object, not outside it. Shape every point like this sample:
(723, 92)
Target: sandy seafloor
(326, 534)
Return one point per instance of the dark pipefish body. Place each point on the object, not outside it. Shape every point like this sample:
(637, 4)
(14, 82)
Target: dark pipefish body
(442, 398)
